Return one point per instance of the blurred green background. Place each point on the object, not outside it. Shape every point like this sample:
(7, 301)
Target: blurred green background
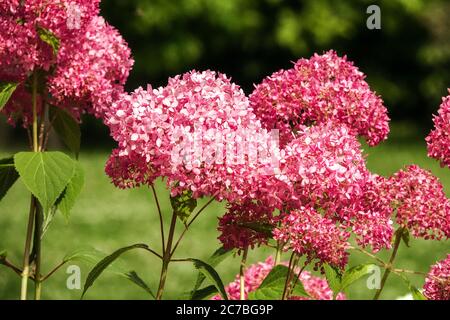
(407, 62)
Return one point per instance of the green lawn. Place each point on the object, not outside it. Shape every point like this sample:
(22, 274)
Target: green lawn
(108, 218)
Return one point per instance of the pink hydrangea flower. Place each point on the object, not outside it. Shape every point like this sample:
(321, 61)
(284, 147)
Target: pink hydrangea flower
(254, 275)
(308, 233)
(438, 141)
(183, 132)
(437, 283)
(236, 225)
(322, 88)
(421, 203)
(86, 74)
(371, 215)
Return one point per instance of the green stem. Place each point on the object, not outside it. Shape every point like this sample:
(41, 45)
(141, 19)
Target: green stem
(398, 238)
(37, 247)
(278, 253)
(166, 258)
(242, 275)
(33, 204)
(26, 252)
(288, 276)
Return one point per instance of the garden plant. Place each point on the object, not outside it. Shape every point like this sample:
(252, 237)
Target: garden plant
(286, 160)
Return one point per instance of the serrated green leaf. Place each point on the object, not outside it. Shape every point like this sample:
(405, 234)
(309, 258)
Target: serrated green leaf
(183, 205)
(334, 278)
(211, 275)
(45, 174)
(67, 128)
(8, 175)
(214, 260)
(49, 37)
(6, 91)
(203, 294)
(71, 192)
(134, 277)
(353, 274)
(105, 263)
(417, 295)
(272, 286)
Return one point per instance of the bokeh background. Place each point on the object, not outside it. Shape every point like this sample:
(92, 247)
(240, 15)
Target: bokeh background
(407, 62)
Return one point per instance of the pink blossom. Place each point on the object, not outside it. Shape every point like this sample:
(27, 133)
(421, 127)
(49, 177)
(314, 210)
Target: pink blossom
(89, 69)
(236, 225)
(437, 283)
(308, 233)
(421, 203)
(325, 87)
(165, 126)
(438, 141)
(254, 275)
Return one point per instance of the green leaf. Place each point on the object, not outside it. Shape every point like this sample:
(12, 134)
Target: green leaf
(214, 260)
(134, 277)
(49, 37)
(417, 295)
(105, 263)
(354, 273)
(6, 90)
(272, 286)
(183, 205)
(211, 275)
(405, 236)
(71, 192)
(264, 228)
(45, 174)
(334, 279)
(8, 175)
(3, 254)
(67, 128)
(203, 294)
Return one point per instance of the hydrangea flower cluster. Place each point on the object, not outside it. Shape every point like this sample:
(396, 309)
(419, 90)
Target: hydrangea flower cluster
(182, 132)
(84, 69)
(437, 283)
(421, 204)
(238, 229)
(308, 233)
(254, 275)
(371, 215)
(438, 141)
(323, 88)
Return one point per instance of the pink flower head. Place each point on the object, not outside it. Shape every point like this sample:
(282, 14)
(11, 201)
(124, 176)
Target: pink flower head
(254, 275)
(371, 215)
(326, 168)
(307, 232)
(90, 66)
(91, 69)
(324, 87)
(190, 132)
(421, 204)
(437, 283)
(438, 141)
(238, 226)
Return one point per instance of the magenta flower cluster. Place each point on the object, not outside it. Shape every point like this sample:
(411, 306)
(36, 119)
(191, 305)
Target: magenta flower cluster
(316, 287)
(83, 61)
(323, 88)
(438, 141)
(437, 283)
